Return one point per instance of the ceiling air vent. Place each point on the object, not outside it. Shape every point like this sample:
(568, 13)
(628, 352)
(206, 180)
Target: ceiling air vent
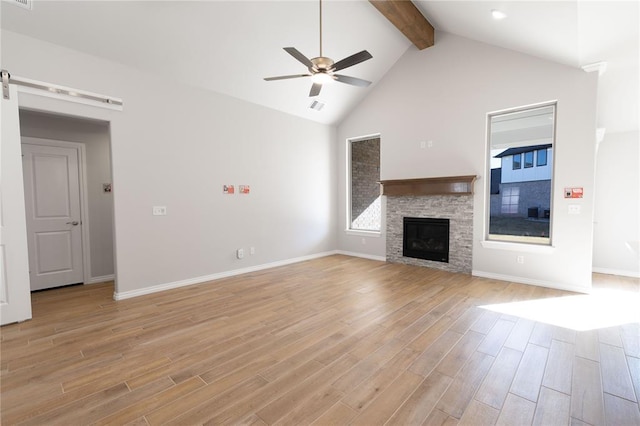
(316, 105)
(25, 4)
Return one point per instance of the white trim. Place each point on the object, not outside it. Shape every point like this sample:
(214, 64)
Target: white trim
(102, 279)
(84, 203)
(213, 277)
(620, 272)
(362, 255)
(601, 67)
(364, 138)
(363, 233)
(521, 247)
(529, 281)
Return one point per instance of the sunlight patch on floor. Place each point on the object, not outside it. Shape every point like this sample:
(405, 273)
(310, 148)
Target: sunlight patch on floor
(601, 309)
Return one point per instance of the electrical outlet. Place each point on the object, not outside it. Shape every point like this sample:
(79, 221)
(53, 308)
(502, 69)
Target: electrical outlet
(159, 210)
(252, 251)
(240, 253)
(364, 241)
(520, 259)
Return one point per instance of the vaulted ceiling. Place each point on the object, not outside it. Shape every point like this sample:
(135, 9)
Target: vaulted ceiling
(230, 46)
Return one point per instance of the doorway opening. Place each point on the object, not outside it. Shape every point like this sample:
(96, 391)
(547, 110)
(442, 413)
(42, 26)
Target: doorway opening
(68, 198)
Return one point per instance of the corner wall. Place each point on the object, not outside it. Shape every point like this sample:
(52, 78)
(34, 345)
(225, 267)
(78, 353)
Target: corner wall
(443, 94)
(176, 146)
(616, 239)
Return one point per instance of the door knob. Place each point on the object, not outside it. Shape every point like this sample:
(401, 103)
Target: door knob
(74, 223)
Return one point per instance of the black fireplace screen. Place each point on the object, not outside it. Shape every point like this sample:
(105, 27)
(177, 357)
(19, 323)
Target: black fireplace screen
(426, 238)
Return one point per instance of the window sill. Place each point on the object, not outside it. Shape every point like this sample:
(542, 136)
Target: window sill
(521, 247)
(363, 233)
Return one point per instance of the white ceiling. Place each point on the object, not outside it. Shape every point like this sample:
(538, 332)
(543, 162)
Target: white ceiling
(229, 46)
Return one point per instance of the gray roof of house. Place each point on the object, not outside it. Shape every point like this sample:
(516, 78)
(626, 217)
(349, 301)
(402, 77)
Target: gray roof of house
(514, 151)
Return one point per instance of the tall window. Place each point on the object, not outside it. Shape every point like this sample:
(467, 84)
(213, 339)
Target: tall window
(364, 189)
(520, 210)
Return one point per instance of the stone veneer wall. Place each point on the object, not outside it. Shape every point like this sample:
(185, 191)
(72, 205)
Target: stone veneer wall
(457, 208)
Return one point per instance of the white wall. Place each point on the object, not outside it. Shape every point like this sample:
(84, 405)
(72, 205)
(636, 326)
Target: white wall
(443, 94)
(95, 137)
(176, 146)
(616, 239)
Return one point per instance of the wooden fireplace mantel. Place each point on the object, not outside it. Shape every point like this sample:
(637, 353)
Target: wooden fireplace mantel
(449, 185)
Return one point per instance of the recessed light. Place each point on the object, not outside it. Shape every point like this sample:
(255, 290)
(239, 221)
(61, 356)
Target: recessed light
(498, 14)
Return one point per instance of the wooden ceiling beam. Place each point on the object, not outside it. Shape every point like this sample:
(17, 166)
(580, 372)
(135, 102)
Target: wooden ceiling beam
(408, 19)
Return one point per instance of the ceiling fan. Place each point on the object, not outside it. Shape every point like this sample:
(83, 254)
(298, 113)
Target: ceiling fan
(322, 69)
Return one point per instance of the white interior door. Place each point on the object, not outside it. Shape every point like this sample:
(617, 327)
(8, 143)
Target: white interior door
(15, 298)
(54, 227)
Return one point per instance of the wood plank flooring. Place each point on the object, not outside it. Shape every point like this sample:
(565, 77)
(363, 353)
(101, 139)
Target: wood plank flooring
(333, 341)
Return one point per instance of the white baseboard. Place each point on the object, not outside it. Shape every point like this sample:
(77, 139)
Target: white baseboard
(362, 255)
(102, 279)
(621, 272)
(529, 281)
(198, 280)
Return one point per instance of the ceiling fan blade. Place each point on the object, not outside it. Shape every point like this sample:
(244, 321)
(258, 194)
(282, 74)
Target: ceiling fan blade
(284, 77)
(315, 90)
(299, 56)
(351, 80)
(352, 60)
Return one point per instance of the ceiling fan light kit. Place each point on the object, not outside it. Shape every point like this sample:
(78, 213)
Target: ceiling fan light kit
(321, 78)
(322, 69)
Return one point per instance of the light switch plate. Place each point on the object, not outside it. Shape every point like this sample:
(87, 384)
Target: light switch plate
(574, 209)
(159, 210)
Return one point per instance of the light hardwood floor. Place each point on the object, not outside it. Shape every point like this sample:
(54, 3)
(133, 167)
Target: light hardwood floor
(336, 340)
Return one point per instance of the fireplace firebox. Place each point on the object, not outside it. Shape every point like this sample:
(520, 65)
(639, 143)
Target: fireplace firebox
(426, 238)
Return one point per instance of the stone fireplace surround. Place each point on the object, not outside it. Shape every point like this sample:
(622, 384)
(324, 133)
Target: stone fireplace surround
(448, 198)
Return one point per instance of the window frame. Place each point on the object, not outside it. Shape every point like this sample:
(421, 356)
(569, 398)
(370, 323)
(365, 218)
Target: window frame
(513, 162)
(546, 157)
(348, 212)
(500, 240)
(530, 164)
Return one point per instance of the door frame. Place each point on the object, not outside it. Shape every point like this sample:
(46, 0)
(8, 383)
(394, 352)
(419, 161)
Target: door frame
(50, 102)
(82, 182)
